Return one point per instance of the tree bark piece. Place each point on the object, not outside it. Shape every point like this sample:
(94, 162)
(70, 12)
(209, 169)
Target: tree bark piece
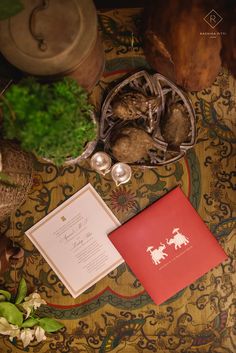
(175, 47)
(228, 26)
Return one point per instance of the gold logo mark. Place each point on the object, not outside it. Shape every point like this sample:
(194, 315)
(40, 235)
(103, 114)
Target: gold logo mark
(213, 18)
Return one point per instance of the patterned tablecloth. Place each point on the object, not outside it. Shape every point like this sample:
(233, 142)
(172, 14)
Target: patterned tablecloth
(117, 314)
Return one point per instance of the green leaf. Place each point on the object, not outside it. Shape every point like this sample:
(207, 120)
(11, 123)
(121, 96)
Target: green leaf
(6, 294)
(2, 298)
(10, 8)
(30, 322)
(22, 291)
(11, 313)
(50, 325)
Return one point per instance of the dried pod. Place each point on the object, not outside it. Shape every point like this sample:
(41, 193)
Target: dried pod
(131, 145)
(133, 105)
(175, 126)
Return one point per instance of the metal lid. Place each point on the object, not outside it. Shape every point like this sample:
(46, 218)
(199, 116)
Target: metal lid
(49, 37)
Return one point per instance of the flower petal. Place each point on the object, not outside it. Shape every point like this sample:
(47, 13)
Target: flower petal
(8, 329)
(34, 300)
(39, 334)
(27, 307)
(26, 335)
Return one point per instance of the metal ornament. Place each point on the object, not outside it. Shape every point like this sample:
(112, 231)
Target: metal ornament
(121, 173)
(160, 93)
(101, 162)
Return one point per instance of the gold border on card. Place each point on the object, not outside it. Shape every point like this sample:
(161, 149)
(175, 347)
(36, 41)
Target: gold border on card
(102, 274)
(87, 187)
(74, 197)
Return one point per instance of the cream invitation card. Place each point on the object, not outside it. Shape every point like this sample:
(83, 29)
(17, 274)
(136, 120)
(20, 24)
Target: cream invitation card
(73, 240)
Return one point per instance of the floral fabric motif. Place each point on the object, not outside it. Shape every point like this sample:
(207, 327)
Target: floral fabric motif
(116, 314)
(122, 199)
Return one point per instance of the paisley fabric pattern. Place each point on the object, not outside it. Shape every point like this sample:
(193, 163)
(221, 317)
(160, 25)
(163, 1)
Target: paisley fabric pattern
(116, 314)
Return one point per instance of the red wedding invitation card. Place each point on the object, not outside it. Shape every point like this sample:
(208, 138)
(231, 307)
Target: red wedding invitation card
(167, 246)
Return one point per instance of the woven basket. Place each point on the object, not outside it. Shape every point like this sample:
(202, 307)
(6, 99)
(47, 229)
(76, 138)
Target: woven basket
(16, 166)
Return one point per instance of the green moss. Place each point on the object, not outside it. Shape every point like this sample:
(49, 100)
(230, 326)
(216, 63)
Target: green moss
(51, 120)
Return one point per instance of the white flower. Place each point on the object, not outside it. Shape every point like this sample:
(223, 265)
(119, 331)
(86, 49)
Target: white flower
(32, 301)
(26, 335)
(8, 329)
(39, 334)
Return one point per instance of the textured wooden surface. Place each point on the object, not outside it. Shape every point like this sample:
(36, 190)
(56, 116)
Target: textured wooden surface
(116, 314)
